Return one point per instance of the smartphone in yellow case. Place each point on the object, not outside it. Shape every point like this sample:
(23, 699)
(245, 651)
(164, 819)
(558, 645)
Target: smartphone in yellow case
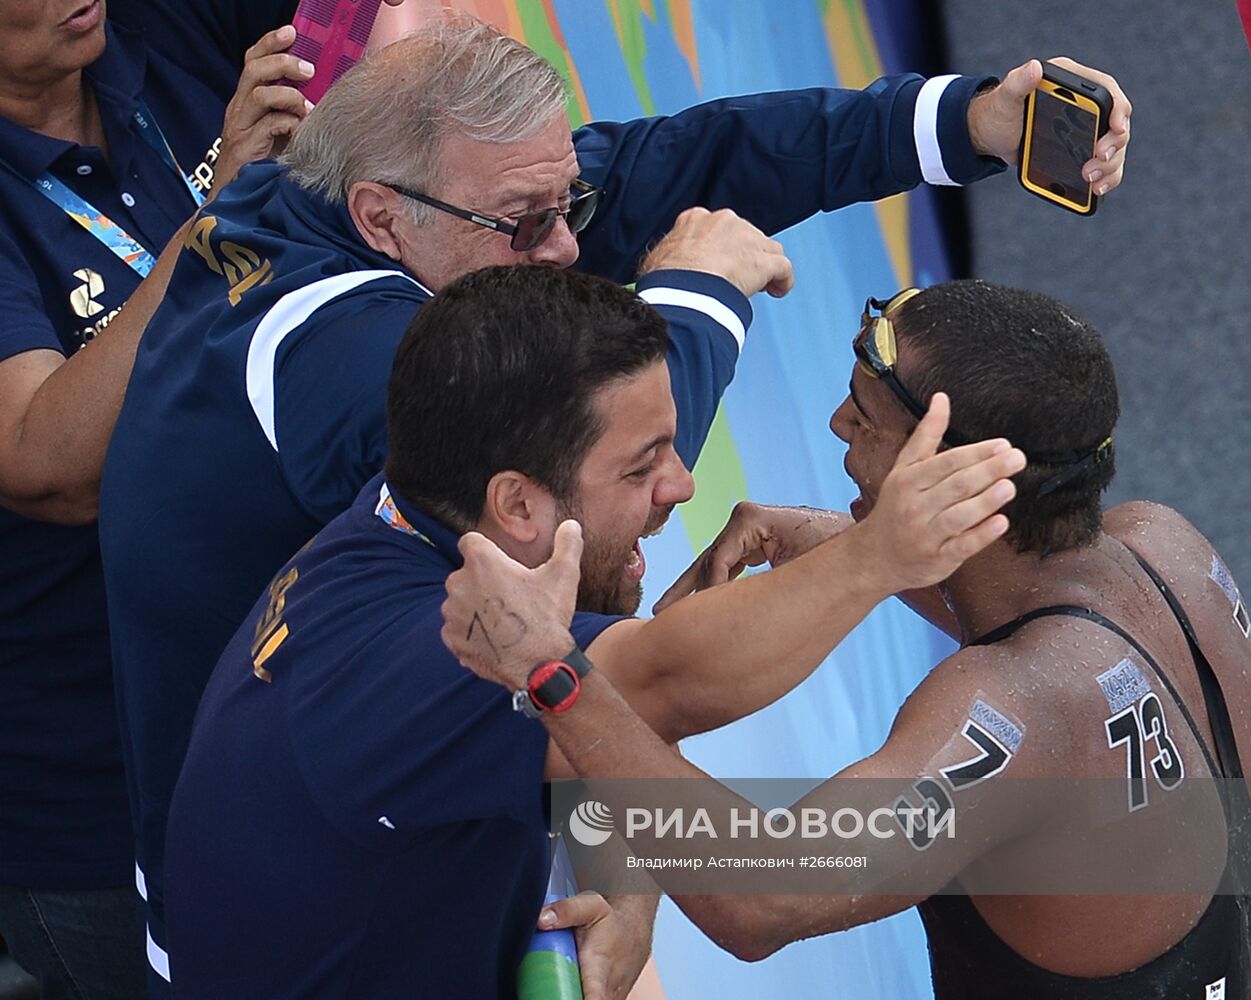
(1064, 117)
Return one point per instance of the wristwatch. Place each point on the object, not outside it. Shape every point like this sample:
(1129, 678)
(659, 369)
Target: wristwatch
(552, 686)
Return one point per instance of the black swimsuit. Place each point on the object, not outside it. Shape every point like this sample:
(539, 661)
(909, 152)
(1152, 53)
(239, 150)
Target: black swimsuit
(970, 962)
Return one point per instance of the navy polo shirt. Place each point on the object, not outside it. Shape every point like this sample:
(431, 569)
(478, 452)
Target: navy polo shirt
(63, 816)
(368, 819)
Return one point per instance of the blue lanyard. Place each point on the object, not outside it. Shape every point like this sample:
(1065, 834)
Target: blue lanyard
(114, 237)
(155, 138)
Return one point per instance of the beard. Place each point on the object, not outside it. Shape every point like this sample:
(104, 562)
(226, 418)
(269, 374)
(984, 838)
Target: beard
(603, 588)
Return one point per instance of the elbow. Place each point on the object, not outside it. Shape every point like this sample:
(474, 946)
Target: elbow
(751, 932)
(751, 949)
(65, 505)
(72, 512)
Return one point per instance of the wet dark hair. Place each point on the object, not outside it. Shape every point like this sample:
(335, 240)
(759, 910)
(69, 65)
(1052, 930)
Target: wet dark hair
(1021, 365)
(499, 371)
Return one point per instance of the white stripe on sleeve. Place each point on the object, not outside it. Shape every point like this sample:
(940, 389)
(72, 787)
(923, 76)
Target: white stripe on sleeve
(713, 308)
(925, 130)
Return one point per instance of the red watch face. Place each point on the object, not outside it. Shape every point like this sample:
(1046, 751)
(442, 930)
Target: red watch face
(553, 686)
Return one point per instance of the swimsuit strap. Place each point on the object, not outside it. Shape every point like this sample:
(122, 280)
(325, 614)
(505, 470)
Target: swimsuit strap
(1214, 698)
(1073, 611)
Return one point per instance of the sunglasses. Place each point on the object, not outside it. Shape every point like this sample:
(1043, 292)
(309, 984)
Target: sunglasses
(532, 228)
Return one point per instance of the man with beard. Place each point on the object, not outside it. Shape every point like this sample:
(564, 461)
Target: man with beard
(1112, 649)
(357, 815)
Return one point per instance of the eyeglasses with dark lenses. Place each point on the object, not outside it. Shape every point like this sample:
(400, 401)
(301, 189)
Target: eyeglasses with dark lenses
(531, 229)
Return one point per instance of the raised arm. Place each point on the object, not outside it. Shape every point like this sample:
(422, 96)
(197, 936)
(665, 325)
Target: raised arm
(778, 158)
(56, 412)
(932, 778)
(727, 652)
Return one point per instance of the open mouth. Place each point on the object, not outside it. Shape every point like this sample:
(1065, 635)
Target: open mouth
(859, 508)
(636, 562)
(84, 18)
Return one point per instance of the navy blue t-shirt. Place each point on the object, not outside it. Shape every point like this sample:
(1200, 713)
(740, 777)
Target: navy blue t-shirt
(63, 813)
(358, 815)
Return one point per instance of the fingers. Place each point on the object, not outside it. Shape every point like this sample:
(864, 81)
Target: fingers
(474, 543)
(967, 469)
(266, 66)
(968, 507)
(937, 512)
(683, 586)
(266, 99)
(965, 546)
(782, 279)
(275, 67)
(725, 244)
(1105, 175)
(261, 91)
(928, 436)
(1105, 170)
(278, 40)
(581, 910)
(721, 562)
(746, 540)
(1118, 120)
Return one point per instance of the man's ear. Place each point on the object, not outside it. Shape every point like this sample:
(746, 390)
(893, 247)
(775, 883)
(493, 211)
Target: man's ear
(373, 210)
(518, 507)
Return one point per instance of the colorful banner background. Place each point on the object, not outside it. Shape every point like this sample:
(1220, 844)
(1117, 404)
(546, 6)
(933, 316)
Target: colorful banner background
(771, 442)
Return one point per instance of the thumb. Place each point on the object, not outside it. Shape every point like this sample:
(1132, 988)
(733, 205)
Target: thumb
(566, 560)
(574, 911)
(928, 436)
(1018, 83)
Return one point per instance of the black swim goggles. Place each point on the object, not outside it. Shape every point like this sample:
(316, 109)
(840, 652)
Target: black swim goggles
(531, 229)
(877, 355)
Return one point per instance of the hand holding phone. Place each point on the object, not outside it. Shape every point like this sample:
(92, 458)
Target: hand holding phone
(1064, 117)
(331, 34)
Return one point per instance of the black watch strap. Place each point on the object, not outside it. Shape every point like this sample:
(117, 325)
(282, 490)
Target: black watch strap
(577, 659)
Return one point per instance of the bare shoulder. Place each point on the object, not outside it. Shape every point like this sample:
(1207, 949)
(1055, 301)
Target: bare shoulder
(1155, 532)
(1206, 591)
(1057, 678)
(1177, 551)
(1020, 691)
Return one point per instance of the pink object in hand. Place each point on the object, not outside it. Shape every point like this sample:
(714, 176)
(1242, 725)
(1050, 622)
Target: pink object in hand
(332, 35)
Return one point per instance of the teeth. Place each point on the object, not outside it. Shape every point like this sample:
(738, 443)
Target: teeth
(634, 559)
